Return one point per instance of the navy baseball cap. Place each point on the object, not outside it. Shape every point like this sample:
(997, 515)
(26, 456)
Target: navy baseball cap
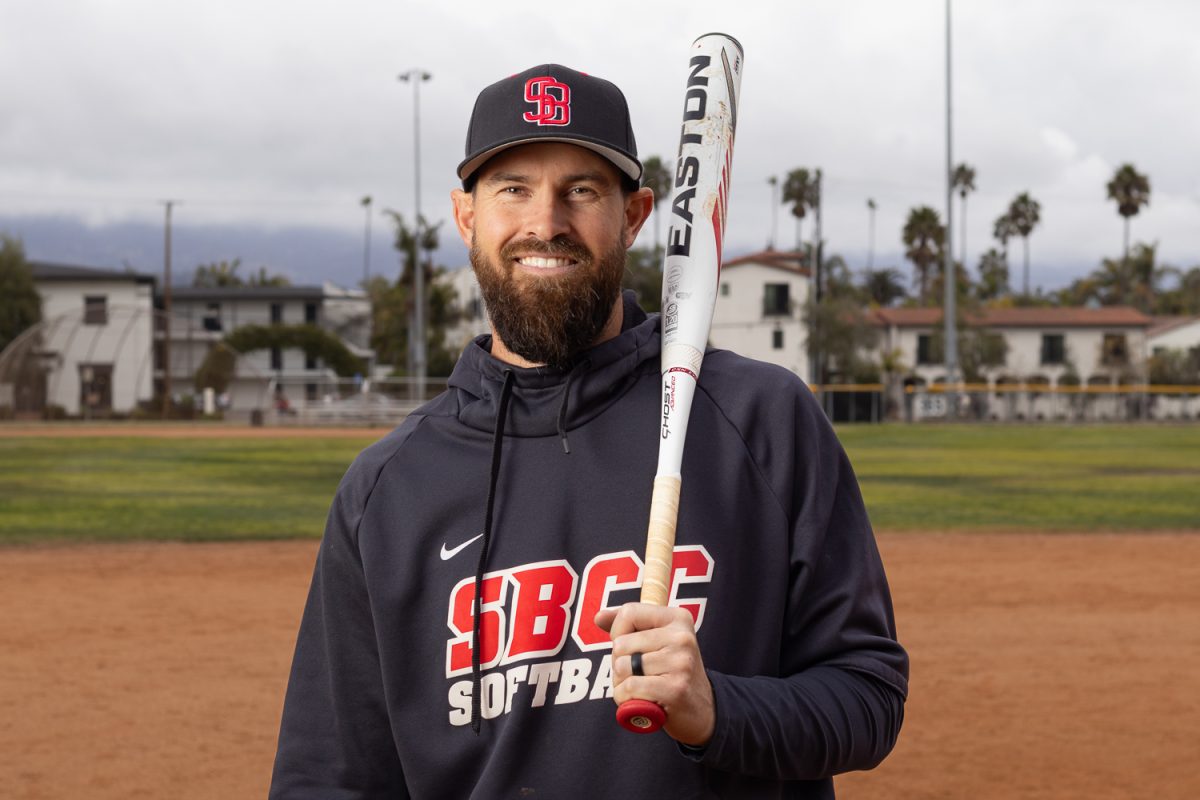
(551, 103)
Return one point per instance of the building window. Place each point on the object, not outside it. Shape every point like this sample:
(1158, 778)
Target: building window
(310, 361)
(310, 313)
(276, 313)
(212, 317)
(929, 350)
(476, 308)
(276, 358)
(310, 392)
(1054, 349)
(95, 310)
(724, 289)
(1114, 351)
(775, 300)
(777, 340)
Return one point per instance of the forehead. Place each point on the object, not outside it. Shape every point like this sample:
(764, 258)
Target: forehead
(548, 160)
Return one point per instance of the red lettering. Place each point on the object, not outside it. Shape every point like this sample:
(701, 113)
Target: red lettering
(491, 623)
(541, 609)
(690, 564)
(601, 577)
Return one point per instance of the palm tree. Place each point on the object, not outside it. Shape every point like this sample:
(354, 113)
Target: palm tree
(1131, 190)
(656, 175)
(993, 275)
(800, 189)
(883, 286)
(1025, 213)
(924, 236)
(870, 233)
(963, 179)
(1004, 229)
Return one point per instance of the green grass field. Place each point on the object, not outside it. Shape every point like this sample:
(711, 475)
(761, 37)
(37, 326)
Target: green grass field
(1036, 477)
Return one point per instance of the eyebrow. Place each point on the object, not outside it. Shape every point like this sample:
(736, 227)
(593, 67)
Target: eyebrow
(516, 177)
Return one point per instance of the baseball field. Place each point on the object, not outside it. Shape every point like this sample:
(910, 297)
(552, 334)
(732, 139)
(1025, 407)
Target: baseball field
(1046, 582)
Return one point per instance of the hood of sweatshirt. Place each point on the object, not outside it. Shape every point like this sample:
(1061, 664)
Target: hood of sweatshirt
(547, 401)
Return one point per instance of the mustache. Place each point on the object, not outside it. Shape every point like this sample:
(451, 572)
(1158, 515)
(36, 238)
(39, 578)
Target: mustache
(558, 247)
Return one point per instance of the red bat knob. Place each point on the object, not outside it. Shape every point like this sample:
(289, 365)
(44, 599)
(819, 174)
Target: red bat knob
(641, 716)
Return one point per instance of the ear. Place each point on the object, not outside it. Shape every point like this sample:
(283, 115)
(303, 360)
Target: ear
(638, 206)
(464, 214)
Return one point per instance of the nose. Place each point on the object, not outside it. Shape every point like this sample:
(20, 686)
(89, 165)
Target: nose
(546, 217)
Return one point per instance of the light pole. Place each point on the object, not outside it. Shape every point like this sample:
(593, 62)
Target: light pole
(166, 351)
(774, 183)
(948, 310)
(870, 232)
(366, 203)
(417, 77)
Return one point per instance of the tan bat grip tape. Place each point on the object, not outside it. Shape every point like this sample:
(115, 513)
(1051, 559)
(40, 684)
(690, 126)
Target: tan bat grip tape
(660, 540)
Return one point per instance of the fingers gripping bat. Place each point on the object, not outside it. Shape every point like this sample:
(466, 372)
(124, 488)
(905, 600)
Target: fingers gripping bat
(691, 270)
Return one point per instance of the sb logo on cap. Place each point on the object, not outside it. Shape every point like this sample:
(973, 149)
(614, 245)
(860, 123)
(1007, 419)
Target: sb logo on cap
(553, 101)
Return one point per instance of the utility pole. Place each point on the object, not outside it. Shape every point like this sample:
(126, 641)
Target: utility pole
(166, 346)
(948, 309)
(417, 340)
(366, 203)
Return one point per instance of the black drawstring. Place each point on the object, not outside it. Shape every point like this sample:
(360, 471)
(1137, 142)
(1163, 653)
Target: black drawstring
(497, 442)
(562, 409)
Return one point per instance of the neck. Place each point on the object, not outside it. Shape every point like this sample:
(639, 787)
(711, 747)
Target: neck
(611, 328)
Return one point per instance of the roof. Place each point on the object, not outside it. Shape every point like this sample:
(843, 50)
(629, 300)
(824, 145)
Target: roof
(247, 293)
(789, 261)
(1163, 325)
(1042, 317)
(44, 271)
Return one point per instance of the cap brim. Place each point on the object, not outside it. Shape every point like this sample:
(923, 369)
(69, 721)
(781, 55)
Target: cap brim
(629, 165)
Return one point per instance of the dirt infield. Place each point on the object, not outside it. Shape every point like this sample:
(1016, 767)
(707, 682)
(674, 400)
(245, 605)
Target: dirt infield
(1061, 666)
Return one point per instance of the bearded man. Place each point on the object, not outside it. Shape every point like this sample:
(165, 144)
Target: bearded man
(471, 621)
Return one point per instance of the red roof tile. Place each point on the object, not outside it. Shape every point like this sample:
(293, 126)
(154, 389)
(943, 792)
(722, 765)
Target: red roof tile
(1109, 316)
(775, 259)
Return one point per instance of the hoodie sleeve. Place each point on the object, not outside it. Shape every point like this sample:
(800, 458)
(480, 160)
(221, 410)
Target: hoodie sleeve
(839, 701)
(335, 741)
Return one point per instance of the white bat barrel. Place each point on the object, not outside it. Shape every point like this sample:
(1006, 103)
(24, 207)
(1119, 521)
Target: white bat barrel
(691, 272)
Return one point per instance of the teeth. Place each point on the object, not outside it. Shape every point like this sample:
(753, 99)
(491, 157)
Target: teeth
(543, 263)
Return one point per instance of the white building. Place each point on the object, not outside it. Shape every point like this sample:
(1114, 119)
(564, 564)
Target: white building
(1098, 345)
(760, 309)
(469, 305)
(202, 317)
(1174, 333)
(93, 349)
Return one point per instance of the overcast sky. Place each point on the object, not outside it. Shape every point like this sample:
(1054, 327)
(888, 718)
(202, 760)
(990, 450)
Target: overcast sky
(271, 115)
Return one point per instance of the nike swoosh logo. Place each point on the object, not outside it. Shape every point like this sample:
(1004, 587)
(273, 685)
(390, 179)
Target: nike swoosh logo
(449, 554)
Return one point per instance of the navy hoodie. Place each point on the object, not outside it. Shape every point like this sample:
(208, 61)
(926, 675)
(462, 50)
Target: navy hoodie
(775, 559)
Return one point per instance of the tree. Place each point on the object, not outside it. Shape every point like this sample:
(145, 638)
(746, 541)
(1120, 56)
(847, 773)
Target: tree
(218, 274)
(657, 177)
(392, 303)
(1133, 281)
(924, 236)
(1184, 298)
(1003, 229)
(643, 274)
(963, 179)
(1026, 214)
(800, 189)
(224, 274)
(1131, 190)
(883, 286)
(993, 276)
(20, 304)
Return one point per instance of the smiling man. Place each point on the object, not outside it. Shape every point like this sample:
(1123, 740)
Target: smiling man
(471, 622)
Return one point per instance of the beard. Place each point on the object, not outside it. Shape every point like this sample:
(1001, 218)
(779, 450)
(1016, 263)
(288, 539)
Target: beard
(550, 320)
